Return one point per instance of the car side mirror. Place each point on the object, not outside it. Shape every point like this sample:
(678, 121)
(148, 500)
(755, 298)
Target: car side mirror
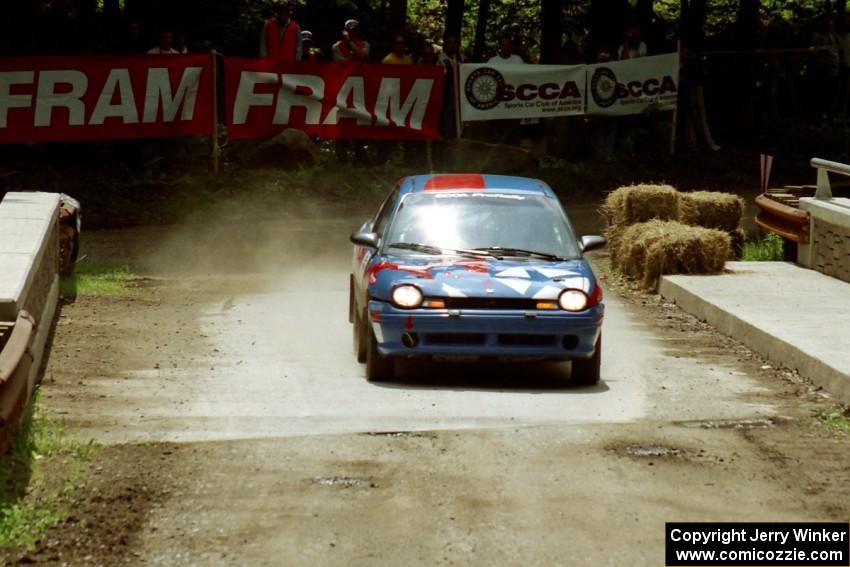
(367, 239)
(592, 242)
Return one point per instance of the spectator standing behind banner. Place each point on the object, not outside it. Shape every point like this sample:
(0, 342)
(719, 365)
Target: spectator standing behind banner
(181, 43)
(280, 39)
(450, 57)
(525, 128)
(165, 45)
(132, 42)
(352, 46)
(310, 53)
(506, 56)
(633, 46)
(427, 55)
(398, 55)
(603, 136)
(693, 117)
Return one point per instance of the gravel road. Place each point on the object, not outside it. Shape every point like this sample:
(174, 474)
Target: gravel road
(235, 416)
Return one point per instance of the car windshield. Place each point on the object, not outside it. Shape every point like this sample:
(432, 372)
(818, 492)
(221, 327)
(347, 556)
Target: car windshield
(482, 220)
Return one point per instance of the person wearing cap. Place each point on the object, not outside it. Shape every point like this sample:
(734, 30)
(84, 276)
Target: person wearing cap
(280, 39)
(352, 46)
(311, 53)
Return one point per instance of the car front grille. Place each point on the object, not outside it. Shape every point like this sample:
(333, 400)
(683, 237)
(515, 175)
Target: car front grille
(454, 338)
(490, 303)
(526, 340)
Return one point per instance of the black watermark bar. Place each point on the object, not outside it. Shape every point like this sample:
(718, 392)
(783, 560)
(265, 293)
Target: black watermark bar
(804, 544)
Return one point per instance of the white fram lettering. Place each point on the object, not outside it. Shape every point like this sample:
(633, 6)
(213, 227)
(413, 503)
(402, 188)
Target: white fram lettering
(158, 93)
(46, 98)
(125, 109)
(305, 91)
(246, 97)
(352, 87)
(9, 100)
(415, 105)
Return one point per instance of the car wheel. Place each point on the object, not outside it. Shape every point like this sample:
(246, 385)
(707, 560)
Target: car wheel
(378, 368)
(586, 370)
(359, 336)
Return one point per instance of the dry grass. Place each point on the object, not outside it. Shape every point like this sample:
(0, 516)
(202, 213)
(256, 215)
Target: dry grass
(645, 251)
(640, 203)
(711, 209)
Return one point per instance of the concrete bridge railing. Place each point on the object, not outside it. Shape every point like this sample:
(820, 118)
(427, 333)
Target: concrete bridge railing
(828, 247)
(29, 293)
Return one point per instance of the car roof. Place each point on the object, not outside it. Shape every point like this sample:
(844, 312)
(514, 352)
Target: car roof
(473, 182)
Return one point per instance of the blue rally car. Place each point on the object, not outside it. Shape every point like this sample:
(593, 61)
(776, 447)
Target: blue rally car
(468, 265)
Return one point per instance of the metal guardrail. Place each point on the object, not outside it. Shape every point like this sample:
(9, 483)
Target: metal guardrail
(15, 363)
(783, 220)
(824, 167)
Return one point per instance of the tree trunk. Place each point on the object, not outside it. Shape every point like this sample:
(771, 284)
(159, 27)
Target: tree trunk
(695, 25)
(644, 15)
(481, 30)
(454, 18)
(397, 16)
(550, 29)
(748, 23)
(840, 15)
(607, 23)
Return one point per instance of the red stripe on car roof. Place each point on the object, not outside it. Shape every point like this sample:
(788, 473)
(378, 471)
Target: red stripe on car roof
(455, 181)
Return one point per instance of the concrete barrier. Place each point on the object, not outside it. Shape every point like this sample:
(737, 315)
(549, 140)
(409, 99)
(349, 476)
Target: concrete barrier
(29, 294)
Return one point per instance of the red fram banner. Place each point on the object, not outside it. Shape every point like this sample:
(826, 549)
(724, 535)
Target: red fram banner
(331, 100)
(105, 97)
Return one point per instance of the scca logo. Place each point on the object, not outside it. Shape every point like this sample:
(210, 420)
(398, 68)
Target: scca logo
(605, 89)
(546, 91)
(485, 88)
(482, 88)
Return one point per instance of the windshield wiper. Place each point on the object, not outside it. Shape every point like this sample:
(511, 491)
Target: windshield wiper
(499, 251)
(415, 246)
(430, 249)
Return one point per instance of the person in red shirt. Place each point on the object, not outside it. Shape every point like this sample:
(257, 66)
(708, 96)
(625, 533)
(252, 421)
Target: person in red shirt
(352, 46)
(280, 39)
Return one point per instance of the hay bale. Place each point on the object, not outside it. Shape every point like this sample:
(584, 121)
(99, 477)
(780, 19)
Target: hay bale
(738, 237)
(640, 203)
(648, 250)
(711, 209)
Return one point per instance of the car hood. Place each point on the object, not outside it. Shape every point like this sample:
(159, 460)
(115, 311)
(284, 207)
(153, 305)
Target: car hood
(473, 277)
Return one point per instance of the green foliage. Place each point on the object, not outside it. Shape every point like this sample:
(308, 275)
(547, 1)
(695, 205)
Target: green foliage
(29, 506)
(768, 249)
(835, 420)
(95, 278)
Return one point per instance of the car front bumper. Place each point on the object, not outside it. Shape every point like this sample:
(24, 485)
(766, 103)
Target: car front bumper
(486, 333)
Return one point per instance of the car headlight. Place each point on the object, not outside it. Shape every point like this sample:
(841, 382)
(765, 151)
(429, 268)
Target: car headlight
(572, 300)
(407, 296)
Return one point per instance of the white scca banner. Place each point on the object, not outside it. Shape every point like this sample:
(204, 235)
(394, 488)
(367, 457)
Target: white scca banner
(491, 92)
(633, 86)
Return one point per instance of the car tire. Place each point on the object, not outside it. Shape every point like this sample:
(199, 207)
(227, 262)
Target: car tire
(586, 371)
(359, 335)
(378, 368)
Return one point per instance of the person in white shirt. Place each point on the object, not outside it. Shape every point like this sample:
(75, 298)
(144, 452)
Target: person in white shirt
(633, 47)
(165, 45)
(506, 56)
